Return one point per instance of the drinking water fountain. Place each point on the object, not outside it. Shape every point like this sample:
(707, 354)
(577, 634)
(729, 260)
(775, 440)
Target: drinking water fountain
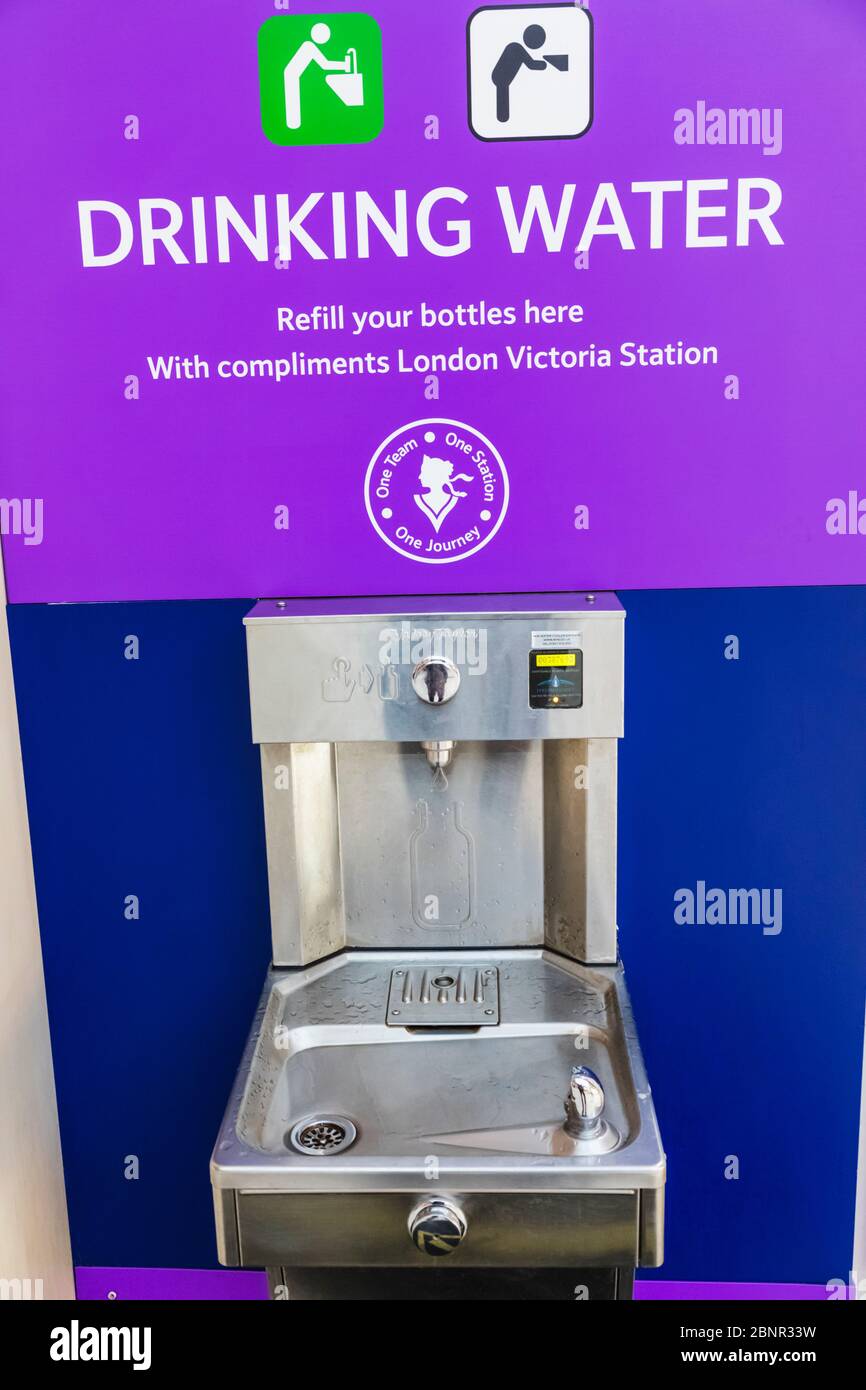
(442, 1095)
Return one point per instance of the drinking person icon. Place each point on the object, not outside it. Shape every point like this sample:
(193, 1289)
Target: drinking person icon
(309, 52)
(514, 57)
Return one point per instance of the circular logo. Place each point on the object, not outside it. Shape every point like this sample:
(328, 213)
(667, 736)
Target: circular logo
(436, 491)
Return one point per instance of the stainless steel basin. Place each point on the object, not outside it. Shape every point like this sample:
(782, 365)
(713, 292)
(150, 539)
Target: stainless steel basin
(473, 1115)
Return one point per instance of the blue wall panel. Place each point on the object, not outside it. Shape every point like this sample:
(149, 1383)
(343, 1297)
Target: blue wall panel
(751, 773)
(142, 779)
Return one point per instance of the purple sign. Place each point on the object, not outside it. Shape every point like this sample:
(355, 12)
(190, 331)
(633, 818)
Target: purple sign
(616, 249)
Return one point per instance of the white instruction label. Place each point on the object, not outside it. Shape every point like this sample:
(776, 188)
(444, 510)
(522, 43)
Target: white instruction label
(554, 641)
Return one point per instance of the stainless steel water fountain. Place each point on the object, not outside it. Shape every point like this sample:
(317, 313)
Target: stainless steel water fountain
(442, 1095)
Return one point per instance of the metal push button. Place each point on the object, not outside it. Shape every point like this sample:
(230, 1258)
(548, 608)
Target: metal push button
(437, 1227)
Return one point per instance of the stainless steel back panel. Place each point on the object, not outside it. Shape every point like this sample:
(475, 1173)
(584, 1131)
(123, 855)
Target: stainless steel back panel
(426, 865)
(365, 848)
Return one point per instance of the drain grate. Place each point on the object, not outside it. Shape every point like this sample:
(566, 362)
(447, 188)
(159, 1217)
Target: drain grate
(447, 996)
(322, 1135)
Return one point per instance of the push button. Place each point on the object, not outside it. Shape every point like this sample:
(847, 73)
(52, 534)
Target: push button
(437, 1227)
(435, 680)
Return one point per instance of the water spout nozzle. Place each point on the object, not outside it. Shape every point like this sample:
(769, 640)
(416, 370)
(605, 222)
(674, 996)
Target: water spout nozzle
(439, 753)
(584, 1104)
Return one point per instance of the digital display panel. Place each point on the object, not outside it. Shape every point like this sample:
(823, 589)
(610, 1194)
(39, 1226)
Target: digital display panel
(556, 659)
(556, 679)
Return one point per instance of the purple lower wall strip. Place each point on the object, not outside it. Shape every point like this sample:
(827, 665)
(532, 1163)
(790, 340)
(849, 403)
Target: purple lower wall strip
(209, 1284)
(170, 1284)
(665, 1289)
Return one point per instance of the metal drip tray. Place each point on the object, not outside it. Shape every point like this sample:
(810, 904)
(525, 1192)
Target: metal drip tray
(459, 1113)
(446, 996)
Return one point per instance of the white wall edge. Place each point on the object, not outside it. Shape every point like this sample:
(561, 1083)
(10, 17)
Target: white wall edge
(858, 1264)
(35, 1254)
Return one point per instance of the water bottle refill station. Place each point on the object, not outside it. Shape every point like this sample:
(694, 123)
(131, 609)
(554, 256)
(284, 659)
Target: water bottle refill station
(443, 1094)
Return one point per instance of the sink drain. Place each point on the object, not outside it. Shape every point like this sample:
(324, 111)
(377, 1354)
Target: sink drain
(322, 1135)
